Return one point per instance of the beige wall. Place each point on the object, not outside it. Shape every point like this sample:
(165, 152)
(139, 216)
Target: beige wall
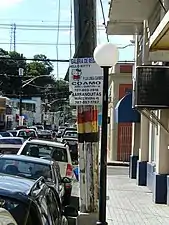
(117, 79)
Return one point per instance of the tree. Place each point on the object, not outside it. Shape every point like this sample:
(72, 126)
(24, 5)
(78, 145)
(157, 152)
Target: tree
(8, 63)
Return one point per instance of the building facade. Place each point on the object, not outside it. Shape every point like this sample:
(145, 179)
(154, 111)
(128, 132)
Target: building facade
(119, 134)
(148, 22)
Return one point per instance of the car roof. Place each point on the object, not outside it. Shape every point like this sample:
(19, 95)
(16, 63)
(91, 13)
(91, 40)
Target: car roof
(27, 158)
(12, 138)
(28, 129)
(13, 186)
(43, 142)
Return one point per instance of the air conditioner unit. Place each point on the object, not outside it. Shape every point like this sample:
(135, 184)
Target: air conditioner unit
(151, 87)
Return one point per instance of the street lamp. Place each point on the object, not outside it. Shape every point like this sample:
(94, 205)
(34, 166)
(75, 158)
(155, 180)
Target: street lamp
(106, 56)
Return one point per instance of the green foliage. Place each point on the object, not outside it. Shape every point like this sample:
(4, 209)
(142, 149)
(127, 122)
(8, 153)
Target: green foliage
(45, 87)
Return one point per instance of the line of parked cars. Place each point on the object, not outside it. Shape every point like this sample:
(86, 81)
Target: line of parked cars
(36, 177)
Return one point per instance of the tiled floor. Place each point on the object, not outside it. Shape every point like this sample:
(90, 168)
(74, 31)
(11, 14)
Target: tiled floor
(130, 204)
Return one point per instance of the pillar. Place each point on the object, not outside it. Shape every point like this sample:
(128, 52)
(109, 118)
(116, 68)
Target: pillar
(144, 126)
(135, 126)
(160, 188)
(152, 155)
(135, 150)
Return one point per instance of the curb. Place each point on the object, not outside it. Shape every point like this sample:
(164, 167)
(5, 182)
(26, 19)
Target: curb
(122, 164)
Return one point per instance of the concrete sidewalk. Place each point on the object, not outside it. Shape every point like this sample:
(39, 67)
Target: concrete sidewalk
(130, 204)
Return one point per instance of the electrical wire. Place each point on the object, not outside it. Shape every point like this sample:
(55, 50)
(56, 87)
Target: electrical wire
(57, 38)
(104, 19)
(40, 26)
(33, 43)
(162, 5)
(71, 24)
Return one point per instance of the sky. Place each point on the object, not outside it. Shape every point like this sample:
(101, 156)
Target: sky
(36, 30)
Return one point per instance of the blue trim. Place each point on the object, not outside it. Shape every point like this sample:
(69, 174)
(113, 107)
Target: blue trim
(160, 189)
(142, 173)
(150, 175)
(133, 167)
(124, 113)
(99, 119)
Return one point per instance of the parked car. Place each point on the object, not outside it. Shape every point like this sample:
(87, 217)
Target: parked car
(21, 127)
(69, 129)
(33, 168)
(5, 134)
(32, 202)
(13, 132)
(40, 127)
(34, 128)
(6, 218)
(57, 151)
(71, 139)
(27, 133)
(45, 134)
(60, 131)
(10, 145)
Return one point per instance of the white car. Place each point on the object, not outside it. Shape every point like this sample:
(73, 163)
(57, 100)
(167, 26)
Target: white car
(48, 149)
(6, 218)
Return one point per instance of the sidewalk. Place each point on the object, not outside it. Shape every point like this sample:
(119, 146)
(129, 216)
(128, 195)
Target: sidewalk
(130, 204)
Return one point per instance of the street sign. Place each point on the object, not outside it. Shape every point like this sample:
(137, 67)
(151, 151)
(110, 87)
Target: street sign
(85, 82)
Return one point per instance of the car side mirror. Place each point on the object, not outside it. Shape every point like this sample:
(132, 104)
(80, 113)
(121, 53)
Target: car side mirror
(70, 211)
(66, 180)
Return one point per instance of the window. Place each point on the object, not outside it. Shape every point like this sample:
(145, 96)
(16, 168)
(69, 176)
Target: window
(31, 170)
(13, 141)
(57, 153)
(71, 134)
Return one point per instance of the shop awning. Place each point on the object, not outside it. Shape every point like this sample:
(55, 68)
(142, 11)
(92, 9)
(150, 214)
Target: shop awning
(160, 37)
(124, 113)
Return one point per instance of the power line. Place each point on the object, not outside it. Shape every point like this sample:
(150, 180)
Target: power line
(32, 59)
(104, 19)
(71, 24)
(40, 26)
(57, 38)
(32, 43)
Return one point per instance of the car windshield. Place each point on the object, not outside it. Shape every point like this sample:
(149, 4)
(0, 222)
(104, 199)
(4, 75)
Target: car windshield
(14, 133)
(27, 134)
(16, 208)
(5, 134)
(71, 134)
(14, 141)
(31, 170)
(46, 151)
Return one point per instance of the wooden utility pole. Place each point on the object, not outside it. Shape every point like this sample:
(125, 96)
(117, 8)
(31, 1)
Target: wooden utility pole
(85, 43)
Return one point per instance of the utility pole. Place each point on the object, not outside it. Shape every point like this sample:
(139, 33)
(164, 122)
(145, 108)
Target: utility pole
(85, 43)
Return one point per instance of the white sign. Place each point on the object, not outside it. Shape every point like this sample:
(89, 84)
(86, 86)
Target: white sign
(85, 82)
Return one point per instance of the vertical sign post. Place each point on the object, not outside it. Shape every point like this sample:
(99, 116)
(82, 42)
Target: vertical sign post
(85, 84)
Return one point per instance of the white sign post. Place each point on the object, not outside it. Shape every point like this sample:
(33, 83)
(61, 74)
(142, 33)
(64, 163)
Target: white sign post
(85, 82)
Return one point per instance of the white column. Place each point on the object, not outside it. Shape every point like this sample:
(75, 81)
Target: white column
(144, 139)
(150, 142)
(162, 152)
(135, 138)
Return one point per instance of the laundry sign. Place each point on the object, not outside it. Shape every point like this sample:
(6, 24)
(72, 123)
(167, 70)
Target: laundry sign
(85, 82)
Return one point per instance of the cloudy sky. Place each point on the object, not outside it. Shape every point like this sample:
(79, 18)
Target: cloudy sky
(36, 32)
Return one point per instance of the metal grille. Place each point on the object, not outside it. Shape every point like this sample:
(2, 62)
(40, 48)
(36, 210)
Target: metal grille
(152, 87)
(124, 142)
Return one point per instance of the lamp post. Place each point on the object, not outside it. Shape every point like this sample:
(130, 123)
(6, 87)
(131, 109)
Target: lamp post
(106, 56)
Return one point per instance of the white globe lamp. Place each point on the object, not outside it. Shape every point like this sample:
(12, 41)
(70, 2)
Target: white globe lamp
(106, 55)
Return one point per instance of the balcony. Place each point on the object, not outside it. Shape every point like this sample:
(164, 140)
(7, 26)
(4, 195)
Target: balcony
(127, 19)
